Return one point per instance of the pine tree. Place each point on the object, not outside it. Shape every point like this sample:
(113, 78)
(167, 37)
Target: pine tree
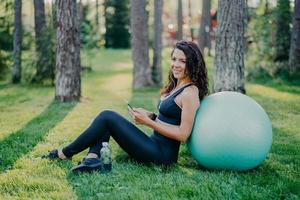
(179, 34)
(204, 31)
(117, 23)
(16, 76)
(294, 59)
(157, 43)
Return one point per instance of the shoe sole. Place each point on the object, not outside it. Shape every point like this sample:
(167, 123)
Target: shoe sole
(85, 168)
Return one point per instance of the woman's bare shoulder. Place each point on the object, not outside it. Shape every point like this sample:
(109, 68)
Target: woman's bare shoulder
(191, 91)
(190, 94)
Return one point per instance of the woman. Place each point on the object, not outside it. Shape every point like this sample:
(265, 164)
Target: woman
(177, 107)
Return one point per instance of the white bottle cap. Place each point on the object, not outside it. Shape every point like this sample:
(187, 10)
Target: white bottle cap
(105, 144)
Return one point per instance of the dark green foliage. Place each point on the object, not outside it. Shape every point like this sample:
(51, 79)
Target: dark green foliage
(261, 39)
(4, 63)
(6, 36)
(85, 27)
(269, 35)
(6, 39)
(6, 25)
(89, 30)
(117, 23)
(283, 30)
(46, 57)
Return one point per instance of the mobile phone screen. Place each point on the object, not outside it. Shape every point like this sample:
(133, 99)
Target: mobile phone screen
(130, 106)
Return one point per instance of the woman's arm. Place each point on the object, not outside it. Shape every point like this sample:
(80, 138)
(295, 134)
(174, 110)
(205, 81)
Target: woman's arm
(190, 104)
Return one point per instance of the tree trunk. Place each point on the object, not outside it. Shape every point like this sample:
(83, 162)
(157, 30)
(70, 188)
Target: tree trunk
(16, 76)
(190, 19)
(139, 39)
(204, 30)
(157, 43)
(229, 59)
(266, 11)
(68, 83)
(179, 20)
(53, 39)
(39, 20)
(97, 15)
(294, 58)
(54, 14)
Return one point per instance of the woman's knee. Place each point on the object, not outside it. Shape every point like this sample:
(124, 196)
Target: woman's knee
(107, 115)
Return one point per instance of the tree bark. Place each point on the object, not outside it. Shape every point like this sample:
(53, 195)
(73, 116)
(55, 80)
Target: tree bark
(266, 11)
(54, 13)
(68, 83)
(139, 39)
(229, 59)
(16, 75)
(53, 40)
(157, 43)
(97, 15)
(39, 22)
(204, 30)
(179, 20)
(294, 58)
(190, 19)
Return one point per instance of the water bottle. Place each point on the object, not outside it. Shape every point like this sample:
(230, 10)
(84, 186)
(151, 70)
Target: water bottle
(105, 156)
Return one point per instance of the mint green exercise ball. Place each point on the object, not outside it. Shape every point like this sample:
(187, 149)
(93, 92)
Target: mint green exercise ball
(231, 132)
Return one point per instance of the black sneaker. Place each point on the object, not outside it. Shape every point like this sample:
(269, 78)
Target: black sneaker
(53, 155)
(88, 165)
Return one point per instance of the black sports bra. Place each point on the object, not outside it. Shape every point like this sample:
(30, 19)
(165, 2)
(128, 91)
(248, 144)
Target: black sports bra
(169, 111)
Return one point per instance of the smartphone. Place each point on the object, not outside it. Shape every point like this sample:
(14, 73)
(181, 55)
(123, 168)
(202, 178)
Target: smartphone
(128, 104)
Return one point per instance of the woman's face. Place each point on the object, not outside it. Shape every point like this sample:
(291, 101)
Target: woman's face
(178, 64)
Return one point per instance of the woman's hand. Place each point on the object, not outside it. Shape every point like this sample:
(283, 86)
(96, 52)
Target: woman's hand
(143, 111)
(140, 116)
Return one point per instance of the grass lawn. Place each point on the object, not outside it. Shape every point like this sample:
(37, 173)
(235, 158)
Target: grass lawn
(32, 123)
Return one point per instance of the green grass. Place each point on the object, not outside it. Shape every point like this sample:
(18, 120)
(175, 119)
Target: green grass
(32, 123)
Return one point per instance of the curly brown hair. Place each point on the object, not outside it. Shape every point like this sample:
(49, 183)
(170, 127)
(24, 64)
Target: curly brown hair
(195, 69)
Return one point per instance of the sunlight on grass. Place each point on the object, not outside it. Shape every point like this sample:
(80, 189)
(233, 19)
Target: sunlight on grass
(283, 107)
(272, 93)
(20, 104)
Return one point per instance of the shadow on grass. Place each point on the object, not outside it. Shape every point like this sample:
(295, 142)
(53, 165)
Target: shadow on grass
(4, 85)
(22, 141)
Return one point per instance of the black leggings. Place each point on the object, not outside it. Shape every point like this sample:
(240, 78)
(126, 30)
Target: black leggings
(136, 143)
